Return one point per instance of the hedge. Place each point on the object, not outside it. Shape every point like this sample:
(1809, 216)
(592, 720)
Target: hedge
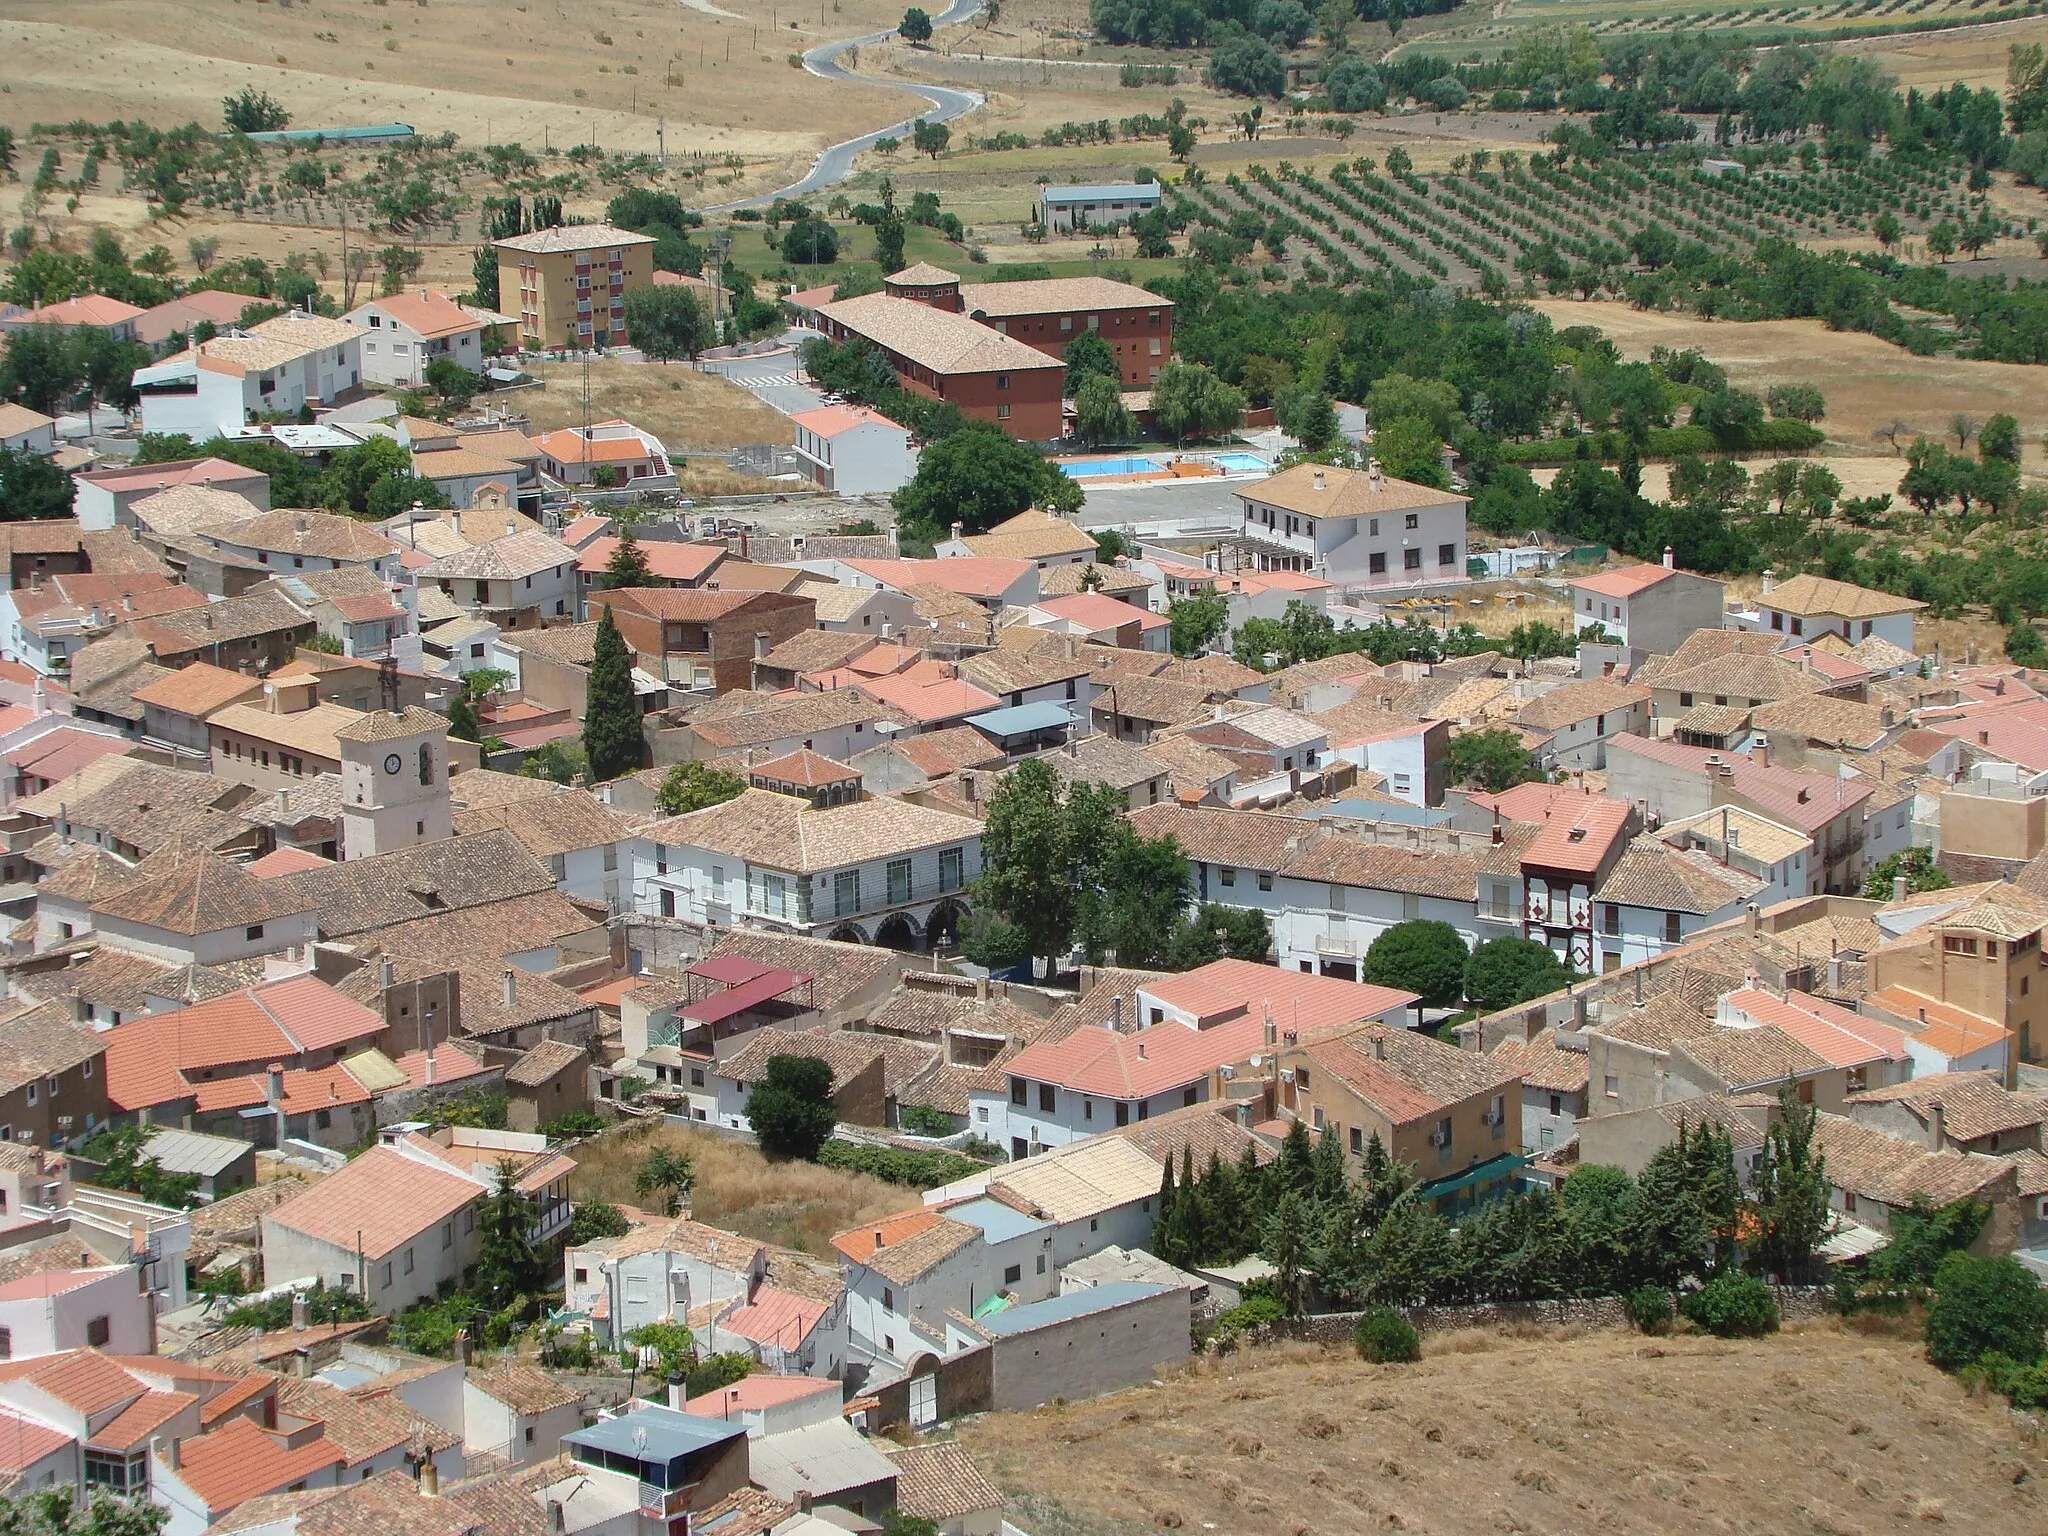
(919, 1170)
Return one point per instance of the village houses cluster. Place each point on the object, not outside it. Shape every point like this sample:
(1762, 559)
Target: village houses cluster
(259, 904)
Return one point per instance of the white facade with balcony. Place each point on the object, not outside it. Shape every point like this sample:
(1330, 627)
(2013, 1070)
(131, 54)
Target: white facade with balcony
(1357, 529)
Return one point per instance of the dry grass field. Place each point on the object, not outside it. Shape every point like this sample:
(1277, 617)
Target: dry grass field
(1868, 383)
(684, 408)
(798, 1205)
(1818, 1430)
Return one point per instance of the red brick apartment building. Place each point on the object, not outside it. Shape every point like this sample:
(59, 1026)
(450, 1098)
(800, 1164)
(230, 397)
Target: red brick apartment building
(945, 354)
(706, 641)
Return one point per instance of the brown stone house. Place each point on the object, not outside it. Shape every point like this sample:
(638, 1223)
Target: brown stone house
(548, 1082)
(53, 1079)
(705, 640)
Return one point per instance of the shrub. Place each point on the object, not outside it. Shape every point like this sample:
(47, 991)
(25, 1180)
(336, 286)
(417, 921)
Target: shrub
(1253, 1312)
(1649, 1307)
(1733, 1307)
(1385, 1337)
(918, 1170)
(1983, 1307)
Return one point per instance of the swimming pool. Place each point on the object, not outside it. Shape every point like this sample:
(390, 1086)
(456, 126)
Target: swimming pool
(1240, 463)
(1087, 469)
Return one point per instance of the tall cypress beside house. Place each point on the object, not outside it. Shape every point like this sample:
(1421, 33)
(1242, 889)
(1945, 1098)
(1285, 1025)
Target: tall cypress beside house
(611, 719)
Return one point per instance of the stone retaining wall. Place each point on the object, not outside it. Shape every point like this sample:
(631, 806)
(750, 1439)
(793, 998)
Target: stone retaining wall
(1795, 1304)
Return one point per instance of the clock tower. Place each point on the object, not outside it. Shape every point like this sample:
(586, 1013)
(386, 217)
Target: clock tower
(394, 781)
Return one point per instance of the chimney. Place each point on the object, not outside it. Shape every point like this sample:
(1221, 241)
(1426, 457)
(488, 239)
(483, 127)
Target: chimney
(299, 523)
(511, 989)
(301, 1312)
(430, 1075)
(1898, 887)
(37, 702)
(1372, 473)
(1639, 986)
(1116, 1012)
(1141, 1050)
(206, 617)
(1752, 922)
(274, 1088)
(1937, 1126)
(1272, 1029)
(166, 1449)
(1379, 1045)
(761, 646)
(958, 529)
(675, 1391)
(1834, 975)
(803, 1501)
(1983, 738)
(510, 527)
(1499, 835)
(1770, 578)
(1319, 480)
(1886, 716)
(1762, 754)
(430, 1479)
(1806, 658)
(387, 974)
(98, 619)
(1668, 563)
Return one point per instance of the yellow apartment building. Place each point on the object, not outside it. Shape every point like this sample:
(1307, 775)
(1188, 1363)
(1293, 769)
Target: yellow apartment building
(568, 286)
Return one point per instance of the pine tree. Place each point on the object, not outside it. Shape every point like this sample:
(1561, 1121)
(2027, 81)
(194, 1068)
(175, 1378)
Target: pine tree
(1294, 1169)
(611, 716)
(628, 565)
(505, 1265)
(1286, 1247)
(1791, 1192)
(1250, 1187)
(1327, 1162)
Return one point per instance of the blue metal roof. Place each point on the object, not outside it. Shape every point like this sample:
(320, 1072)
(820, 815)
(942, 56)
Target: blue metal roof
(998, 1222)
(669, 1433)
(1019, 719)
(360, 134)
(1064, 1309)
(1393, 815)
(1096, 194)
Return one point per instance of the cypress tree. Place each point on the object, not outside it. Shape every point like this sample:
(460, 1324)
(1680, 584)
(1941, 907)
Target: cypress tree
(462, 721)
(611, 717)
(628, 565)
(1250, 1192)
(1194, 1221)
(1165, 1234)
(1295, 1167)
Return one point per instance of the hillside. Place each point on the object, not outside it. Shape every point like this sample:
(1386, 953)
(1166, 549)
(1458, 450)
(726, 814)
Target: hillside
(1820, 1429)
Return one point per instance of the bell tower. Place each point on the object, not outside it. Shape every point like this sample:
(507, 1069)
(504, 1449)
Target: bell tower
(394, 781)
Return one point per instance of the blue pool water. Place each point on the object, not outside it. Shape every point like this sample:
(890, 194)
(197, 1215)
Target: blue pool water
(1240, 463)
(1092, 467)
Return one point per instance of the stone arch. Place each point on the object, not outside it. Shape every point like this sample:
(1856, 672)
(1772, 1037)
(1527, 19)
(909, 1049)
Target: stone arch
(946, 924)
(848, 933)
(898, 931)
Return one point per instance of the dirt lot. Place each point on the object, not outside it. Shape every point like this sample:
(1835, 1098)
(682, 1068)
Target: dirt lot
(1815, 1431)
(1868, 382)
(798, 1205)
(684, 408)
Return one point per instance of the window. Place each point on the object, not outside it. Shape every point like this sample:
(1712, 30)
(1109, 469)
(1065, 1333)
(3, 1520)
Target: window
(696, 1077)
(952, 864)
(1672, 932)
(1003, 412)
(1611, 1086)
(1265, 884)
(668, 902)
(1500, 899)
(1610, 918)
(1020, 1092)
(1411, 521)
(448, 1233)
(1012, 1274)
(1411, 559)
(468, 1222)
(253, 933)
(1002, 381)
(899, 881)
(1557, 1103)
(427, 764)
(1376, 562)
(1226, 874)
(1087, 1109)
(6, 1343)
(1046, 1098)
(387, 1272)
(408, 1261)
(775, 895)
(1447, 554)
(1123, 1114)
(846, 892)
(323, 1119)
(32, 1093)
(529, 1441)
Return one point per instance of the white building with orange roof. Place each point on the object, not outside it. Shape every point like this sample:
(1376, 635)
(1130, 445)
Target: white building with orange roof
(222, 385)
(853, 451)
(56, 1310)
(1649, 608)
(614, 451)
(93, 311)
(404, 332)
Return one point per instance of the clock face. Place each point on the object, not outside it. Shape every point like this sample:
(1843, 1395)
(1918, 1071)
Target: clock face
(393, 762)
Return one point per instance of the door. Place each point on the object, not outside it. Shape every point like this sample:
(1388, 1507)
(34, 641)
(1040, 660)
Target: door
(924, 1402)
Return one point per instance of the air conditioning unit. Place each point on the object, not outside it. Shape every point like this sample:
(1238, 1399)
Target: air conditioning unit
(1439, 1138)
(1494, 1117)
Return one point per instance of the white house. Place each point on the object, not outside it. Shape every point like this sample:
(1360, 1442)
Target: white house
(59, 1309)
(1657, 896)
(525, 571)
(1647, 607)
(1578, 717)
(1811, 606)
(1774, 853)
(404, 332)
(853, 451)
(1358, 528)
(25, 431)
(518, 1413)
(876, 871)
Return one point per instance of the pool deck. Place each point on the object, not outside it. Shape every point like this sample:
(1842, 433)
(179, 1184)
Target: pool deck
(1176, 470)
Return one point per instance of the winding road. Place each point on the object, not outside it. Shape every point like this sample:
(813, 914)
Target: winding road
(836, 163)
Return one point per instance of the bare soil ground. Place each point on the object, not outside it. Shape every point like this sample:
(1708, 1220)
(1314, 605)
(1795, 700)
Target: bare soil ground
(799, 1205)
(684, 408)
(1868, 383)
(1818, 1430)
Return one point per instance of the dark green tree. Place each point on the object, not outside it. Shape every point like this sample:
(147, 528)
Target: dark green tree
(1100, 415)
(667, 322)
(627, 566)
(790, 1108)
(41, 369)
(1023, 842)
(1196, 623)
(463, 724)
(483, 276)
(1421, 956)
(611, 715)
(253, 111)
(1790, 1192)
(1503, 972)
(1916, 864)
(1285, 1246)
(1492, 760)
(506, 1267)
(1999, 438)
(1985, 1306)
(929, 138)
(1088, 356)
(32, 486)
(978, 476)
(1922, 1236)
(595, 1219)
(916, 26)
(669, 1173)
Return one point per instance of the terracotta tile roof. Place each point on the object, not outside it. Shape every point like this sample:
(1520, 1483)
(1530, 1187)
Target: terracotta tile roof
(1893, 1171)
(937, 1482)
(43, 1042)
(938, 753)
(361, 1427)
(1580, 699)
(364, 894)
(1658, 1024)
(783, 832)
(543, 1062)
(774, 1316)
(759, 1391)
(1417, 1076)
(973, 576)
(1625, 582)
(1973, 1104)
(1212, 835)
(940, 340)
(200, 893)
(759, 719)
(428, 313)
(133, 1425)
(1752, 1058)
(805, 768)
(572, 237)
(1653, 874)
(327, 535)
(238, 1461)
(81, 1379)
(847, 1052)
(1042, 295)
(1423, 870)
(286, 860)
(1324, 493)
(1032, 535)
(523, 1388)
(1817, 596)
(389, 1198)
(552, 824)
(1542, 1063)
(1109, 1064)
(1845, 1038)
(198, 689)
(666, 559)
(1580, 834)
(507, 558)
(901, 1248)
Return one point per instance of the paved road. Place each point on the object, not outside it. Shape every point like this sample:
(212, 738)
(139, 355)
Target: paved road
(777, 379)
(836, 163)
